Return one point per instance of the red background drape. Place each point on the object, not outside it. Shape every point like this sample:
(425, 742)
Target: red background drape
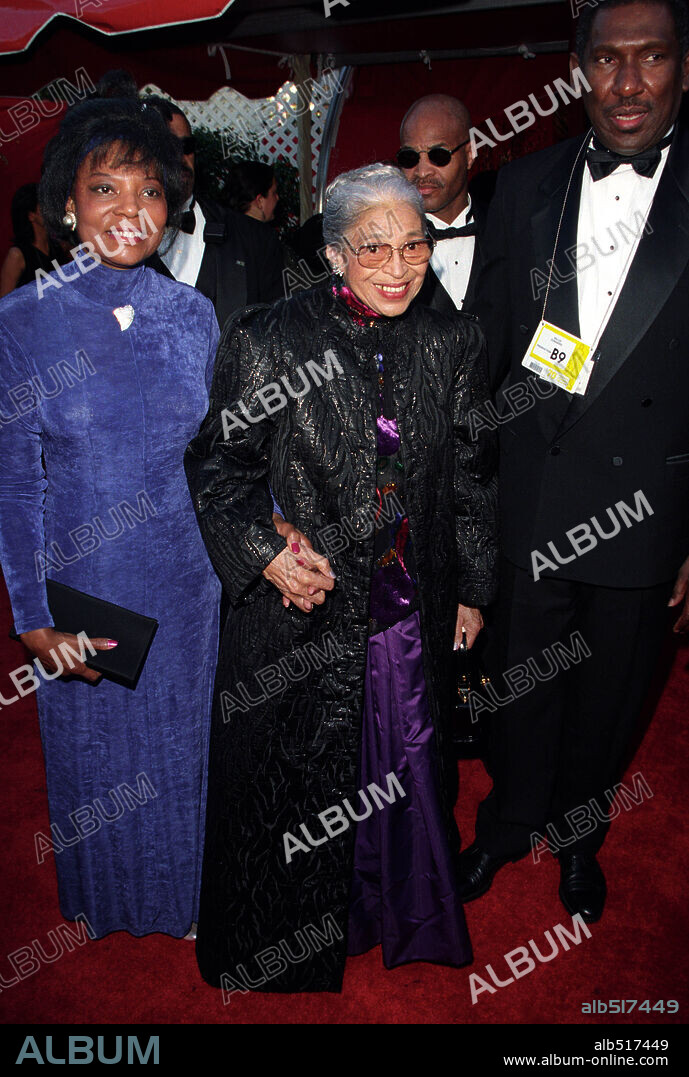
(23, 19)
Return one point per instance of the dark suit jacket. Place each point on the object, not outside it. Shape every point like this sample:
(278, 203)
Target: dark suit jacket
(433, 294)
(243, 268)
(568, 458)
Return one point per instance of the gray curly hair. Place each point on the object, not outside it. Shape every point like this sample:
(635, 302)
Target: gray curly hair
(361, 189)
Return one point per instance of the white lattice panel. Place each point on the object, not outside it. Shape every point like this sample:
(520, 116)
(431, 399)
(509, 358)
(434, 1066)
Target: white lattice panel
(269, 122)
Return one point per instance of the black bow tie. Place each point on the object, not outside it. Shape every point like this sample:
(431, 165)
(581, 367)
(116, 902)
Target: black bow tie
(435, 233)
(602, 162)
(188, 223)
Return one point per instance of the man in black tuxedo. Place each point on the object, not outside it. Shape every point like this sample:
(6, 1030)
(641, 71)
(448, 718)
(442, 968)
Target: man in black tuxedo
(232, 259)
(594, 486)
(435, 155)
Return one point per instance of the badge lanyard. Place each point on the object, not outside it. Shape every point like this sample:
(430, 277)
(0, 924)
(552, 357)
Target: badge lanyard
(554, 354)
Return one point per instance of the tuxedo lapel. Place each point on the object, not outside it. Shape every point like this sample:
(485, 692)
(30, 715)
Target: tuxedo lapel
(661, 258)
(433, 294)
(562, 304)
(207, 281)
(222, 275)
(476, 264)
(480, 211)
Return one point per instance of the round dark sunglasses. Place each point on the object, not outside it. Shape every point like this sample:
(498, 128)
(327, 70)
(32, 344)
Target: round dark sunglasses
(188, 144)
(437, 155)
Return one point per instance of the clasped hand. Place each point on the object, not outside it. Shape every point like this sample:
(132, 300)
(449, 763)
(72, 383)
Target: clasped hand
(299, 573)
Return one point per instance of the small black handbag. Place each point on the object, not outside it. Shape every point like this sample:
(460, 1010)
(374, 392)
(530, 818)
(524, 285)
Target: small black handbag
(467, 727)
(74, 611)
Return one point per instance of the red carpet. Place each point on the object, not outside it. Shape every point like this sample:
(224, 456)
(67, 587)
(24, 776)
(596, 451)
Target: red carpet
(638, 950)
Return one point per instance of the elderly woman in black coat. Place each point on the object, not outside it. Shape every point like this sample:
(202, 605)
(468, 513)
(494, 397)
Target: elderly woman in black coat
(329, 820)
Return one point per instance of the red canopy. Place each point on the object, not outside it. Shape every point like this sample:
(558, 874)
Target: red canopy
(23, 19)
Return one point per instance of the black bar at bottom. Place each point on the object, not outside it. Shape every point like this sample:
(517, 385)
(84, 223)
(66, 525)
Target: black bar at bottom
(482, 1048)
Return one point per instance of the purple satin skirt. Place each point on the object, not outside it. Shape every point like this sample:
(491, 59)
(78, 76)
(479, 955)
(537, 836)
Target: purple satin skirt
(404, 892)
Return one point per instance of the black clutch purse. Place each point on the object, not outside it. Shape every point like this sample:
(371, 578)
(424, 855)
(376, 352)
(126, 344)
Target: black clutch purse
(467, 727)
(74, 611)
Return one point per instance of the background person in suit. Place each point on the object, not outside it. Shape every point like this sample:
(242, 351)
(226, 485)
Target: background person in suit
(568, 460)
(229, 257)
(436, 155)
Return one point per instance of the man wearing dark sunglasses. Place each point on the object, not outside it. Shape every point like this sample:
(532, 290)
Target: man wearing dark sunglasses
(230, 258)
(435, 155)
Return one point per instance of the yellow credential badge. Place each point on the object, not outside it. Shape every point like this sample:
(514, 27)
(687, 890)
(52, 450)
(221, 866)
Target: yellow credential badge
(557, 356)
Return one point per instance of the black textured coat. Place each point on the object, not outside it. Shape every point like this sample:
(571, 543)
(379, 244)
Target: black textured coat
(278, 762)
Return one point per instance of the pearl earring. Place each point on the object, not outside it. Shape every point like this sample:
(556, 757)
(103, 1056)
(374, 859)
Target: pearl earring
(70, 220)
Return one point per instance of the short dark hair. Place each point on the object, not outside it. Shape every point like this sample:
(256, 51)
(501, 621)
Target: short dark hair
(24, 202)
(246, 180)
(93, 127)
(678, 10)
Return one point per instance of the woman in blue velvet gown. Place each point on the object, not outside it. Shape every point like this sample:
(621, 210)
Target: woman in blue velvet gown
(103, 380)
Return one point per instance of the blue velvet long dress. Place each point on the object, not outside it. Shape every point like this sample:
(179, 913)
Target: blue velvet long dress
(94, 420)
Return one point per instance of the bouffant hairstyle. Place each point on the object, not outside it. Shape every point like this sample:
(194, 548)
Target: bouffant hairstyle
(96, 127)
(116, 83)
(352, 193)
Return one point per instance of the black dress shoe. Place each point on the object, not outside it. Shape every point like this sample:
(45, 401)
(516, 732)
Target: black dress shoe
(477, 869)
(582, 886)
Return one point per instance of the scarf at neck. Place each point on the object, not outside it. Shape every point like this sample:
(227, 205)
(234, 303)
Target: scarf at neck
(360, 312)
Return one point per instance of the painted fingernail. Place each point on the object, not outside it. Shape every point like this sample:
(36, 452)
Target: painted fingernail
(295, 547)
(331, 573)
(111, 642)
(456, 646)
(300, 562)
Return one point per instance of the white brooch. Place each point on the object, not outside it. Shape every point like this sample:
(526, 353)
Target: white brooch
(124, 315)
